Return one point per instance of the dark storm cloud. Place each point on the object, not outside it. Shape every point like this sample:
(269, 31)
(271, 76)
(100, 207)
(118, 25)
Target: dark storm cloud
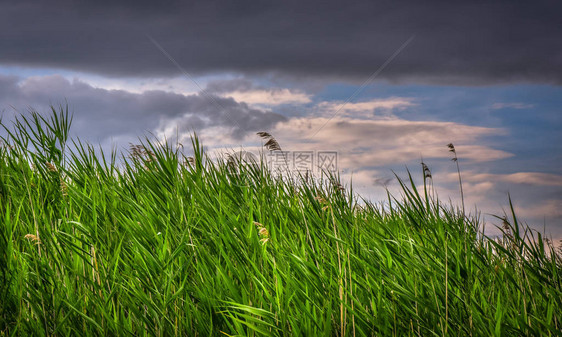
(476, 42)
(100, 114)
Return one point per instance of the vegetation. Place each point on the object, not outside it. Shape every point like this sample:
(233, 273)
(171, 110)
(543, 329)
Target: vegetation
(158, 244)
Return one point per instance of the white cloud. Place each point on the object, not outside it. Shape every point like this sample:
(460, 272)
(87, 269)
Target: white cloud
(382, 142)
(528, 178)
(382, 106)
(179, 85)
(551, 208)
(269, 97)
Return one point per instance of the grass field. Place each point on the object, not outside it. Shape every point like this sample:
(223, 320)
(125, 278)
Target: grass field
(157, 244)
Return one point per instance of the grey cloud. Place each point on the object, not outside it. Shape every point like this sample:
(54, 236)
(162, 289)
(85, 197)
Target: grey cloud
(477, 42)
(101, 114)
(222, 86)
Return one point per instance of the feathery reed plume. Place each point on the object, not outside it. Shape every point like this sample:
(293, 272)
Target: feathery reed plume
(51, 167)
(452, 149)
(337, 186)
(33, 238)
(137, 151)
(141, 152)
(426, 171)
(262, 232)
(63, 188)
(456, 160)
(506, 227)
(322, 201)
(427, 176)
(271, 144)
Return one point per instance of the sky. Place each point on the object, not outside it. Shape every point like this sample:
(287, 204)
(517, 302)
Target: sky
(383, 84)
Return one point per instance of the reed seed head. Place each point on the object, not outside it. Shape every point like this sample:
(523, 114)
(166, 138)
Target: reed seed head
(33, 238)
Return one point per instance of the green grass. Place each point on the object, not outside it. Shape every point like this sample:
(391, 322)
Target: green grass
(156, 246)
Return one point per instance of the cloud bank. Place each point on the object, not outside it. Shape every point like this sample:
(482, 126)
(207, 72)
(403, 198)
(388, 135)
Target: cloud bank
(477, 42)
